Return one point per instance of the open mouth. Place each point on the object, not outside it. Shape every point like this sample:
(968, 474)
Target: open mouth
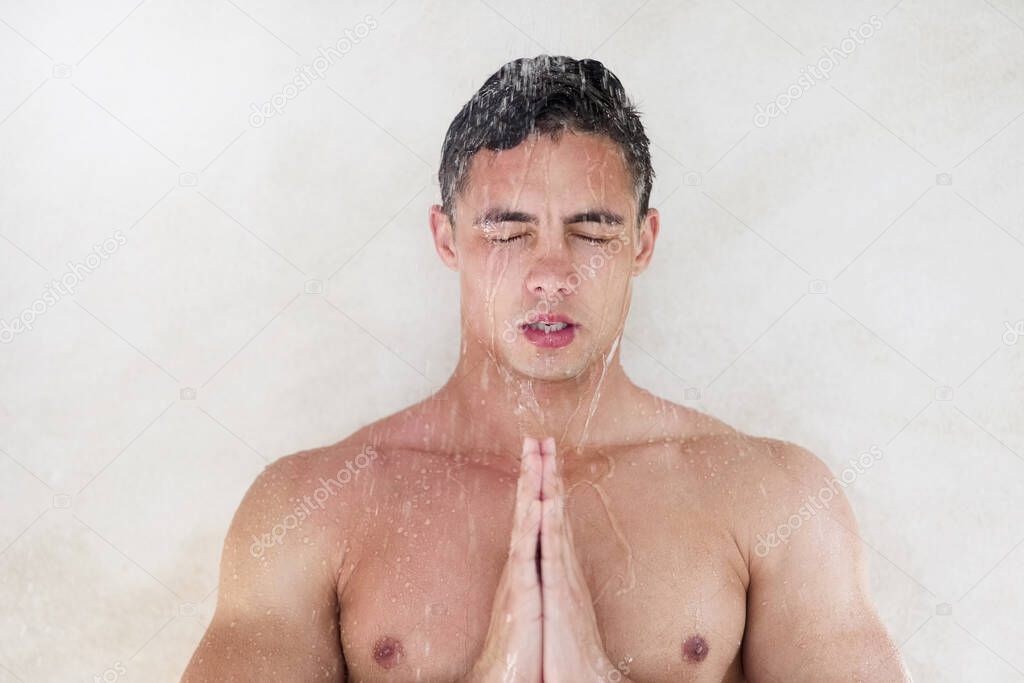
(547, 327)
(550, 331)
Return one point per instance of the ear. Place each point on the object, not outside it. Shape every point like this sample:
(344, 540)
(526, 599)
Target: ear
(648, 235)
(444, 237)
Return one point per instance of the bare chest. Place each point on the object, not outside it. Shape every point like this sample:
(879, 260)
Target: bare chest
(661, 567)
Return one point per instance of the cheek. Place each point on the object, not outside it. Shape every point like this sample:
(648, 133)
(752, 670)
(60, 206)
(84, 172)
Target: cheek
(493, 277)
(610, 274)
(500, 274)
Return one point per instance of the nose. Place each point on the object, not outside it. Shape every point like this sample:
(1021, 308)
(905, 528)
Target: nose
(548, 276)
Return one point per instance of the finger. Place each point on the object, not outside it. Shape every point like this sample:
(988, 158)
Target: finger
(527, 488)
(549, 482)
(527, 514)
(554, 531)
(530, 475)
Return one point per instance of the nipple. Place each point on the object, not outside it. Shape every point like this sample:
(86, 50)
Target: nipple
(695, 649)
(388, 652)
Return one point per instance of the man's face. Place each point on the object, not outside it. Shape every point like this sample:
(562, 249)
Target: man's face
(548, 228)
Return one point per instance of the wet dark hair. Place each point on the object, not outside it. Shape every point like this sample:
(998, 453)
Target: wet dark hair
(545, 95)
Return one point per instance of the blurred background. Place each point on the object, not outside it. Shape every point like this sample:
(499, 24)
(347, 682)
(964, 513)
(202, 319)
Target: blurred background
(214, 252)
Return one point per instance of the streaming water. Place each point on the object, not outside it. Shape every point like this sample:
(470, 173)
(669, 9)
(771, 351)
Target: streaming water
(424, 509)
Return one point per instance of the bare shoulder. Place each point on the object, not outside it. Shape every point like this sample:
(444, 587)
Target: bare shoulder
(298, 475)
(781, 487)
(306, 498)
(340, 478)
(776, 464)
(283, 558)
(781, 475)
(748, 459)
(760, 482)
(798, 528)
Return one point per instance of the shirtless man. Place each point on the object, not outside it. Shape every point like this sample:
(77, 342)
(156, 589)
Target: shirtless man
(541, 517)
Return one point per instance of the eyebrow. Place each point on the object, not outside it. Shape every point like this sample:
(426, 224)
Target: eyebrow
(501, 215)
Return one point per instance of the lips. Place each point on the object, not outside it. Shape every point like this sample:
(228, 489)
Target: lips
(552, 319)
(550, 331)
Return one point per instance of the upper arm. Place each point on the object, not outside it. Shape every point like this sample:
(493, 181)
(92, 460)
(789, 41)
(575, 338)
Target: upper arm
(277, 611)
(809, 612)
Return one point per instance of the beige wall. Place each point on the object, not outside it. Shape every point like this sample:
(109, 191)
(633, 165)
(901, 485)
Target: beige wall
(846, 276)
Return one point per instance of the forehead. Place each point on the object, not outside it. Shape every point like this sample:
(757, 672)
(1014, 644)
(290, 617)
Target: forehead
(578, 166)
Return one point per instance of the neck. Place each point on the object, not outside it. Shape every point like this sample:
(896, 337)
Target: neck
(502, 406)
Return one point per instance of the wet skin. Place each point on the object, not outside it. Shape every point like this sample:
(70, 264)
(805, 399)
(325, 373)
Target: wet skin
(395, 577)
(652, 533)
(627, 550)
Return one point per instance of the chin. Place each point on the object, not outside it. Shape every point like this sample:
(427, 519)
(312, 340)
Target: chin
(553, 368)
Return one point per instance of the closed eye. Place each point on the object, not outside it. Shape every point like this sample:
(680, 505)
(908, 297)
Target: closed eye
(506, 240)
(595, 240)
(588, 238)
